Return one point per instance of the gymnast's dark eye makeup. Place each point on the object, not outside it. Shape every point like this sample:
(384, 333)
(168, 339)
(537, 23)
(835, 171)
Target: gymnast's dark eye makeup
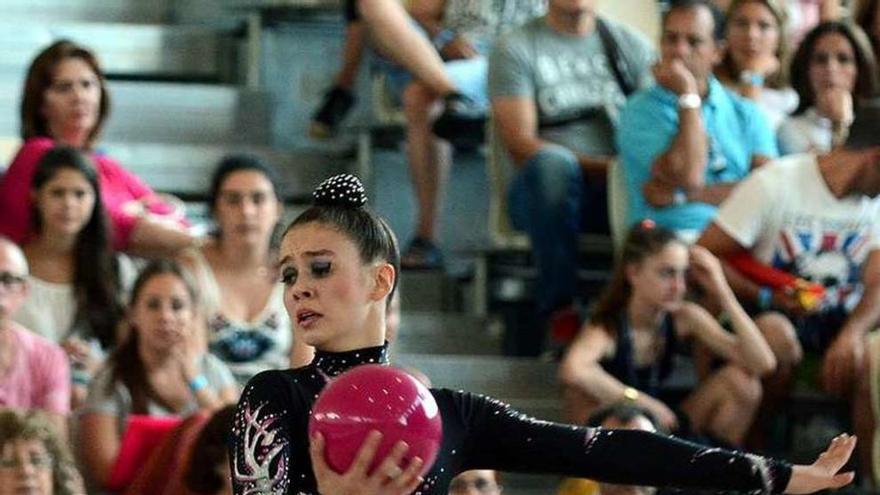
(288, 276)
(320, 269)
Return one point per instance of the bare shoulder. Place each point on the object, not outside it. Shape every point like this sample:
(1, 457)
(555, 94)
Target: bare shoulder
(689, 317)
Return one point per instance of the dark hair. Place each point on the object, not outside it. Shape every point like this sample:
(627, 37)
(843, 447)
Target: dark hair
(728, 68)
(39, 78)
(96, 284)
(36, 426)
(865, 13)
(125, 362)
(236, 163)
(717, 16)
(621, 411)
(209, 452)
(644, 239)
(345, 211)
(866, 65)
(243, 162)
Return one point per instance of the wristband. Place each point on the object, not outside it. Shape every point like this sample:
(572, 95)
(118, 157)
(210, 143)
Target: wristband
(198, 383)
(79, 376)
(679, 197)
(751, 78)
(765, 297)
(443, 38)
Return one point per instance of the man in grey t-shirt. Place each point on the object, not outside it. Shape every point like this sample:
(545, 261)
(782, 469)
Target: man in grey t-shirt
(556, 86)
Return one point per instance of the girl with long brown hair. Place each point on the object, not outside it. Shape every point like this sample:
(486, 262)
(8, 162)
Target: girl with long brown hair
(627, 349)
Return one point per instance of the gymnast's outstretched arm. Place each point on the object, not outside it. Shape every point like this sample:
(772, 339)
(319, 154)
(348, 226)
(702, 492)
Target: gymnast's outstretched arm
(501, 438)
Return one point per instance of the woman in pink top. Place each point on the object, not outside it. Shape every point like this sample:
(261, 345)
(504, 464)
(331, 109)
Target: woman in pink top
(65, 101)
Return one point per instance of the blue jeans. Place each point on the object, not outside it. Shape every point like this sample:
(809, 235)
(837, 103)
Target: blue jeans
(552, 201)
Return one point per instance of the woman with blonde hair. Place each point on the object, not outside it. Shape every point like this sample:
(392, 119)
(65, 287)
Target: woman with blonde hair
(34, 459)
(754, 59)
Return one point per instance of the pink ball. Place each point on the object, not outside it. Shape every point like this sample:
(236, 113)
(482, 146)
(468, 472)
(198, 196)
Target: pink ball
(382, 398)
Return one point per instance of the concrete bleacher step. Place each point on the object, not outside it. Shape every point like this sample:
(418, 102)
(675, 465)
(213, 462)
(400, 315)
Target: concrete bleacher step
(445, 333)
(529, 484)
(529, 385)
(185, 169)
(163, 51)
(426, 290)
(167, 112)
(87, 10)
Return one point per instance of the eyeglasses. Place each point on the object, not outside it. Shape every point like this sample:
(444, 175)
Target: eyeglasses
(480, 484)
(36, 461)
(10, 280)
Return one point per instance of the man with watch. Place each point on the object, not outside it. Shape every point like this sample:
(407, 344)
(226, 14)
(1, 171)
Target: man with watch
(688, 140)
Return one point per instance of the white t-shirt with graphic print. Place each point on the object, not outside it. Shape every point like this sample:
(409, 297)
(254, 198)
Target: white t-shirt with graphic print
(789, 219)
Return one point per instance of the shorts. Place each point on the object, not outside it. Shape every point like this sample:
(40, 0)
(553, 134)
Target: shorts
(817, 332)
(469, 76)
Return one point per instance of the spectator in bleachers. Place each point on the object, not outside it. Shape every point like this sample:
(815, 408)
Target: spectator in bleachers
(34, 459)
(340, 98)
(556, 85)
(627, 349)
(462, 32)
(236, 272)
(34, 373)
(76, 281)
(833, 70)
(392, 31)
(808, 229)
(207, 472)
(159, 370)
(802, 15)
(65, 101)
(476, 482)
(621, 415)
(867, 16)
(190, 460)
(685, 142)
(754, 58)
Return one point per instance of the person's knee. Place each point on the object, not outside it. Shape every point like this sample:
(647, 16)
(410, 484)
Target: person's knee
(417, 99)
(781, 337)
(743, 386)
(862, 377)
(552, 170)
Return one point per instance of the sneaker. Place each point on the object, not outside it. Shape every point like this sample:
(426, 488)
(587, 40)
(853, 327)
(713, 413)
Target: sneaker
(422, 254)
(336, 105)
(462, 122)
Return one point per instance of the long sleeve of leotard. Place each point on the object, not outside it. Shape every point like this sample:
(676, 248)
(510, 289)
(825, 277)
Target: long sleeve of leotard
(261, 444)
(500, 438)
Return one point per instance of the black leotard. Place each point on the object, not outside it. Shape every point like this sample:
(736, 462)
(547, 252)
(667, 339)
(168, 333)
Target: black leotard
(269, 452)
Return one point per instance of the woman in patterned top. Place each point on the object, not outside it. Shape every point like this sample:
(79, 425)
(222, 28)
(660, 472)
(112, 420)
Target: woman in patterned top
(236, 270)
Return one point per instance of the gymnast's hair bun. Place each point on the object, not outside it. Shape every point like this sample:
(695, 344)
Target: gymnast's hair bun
(343, 190)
